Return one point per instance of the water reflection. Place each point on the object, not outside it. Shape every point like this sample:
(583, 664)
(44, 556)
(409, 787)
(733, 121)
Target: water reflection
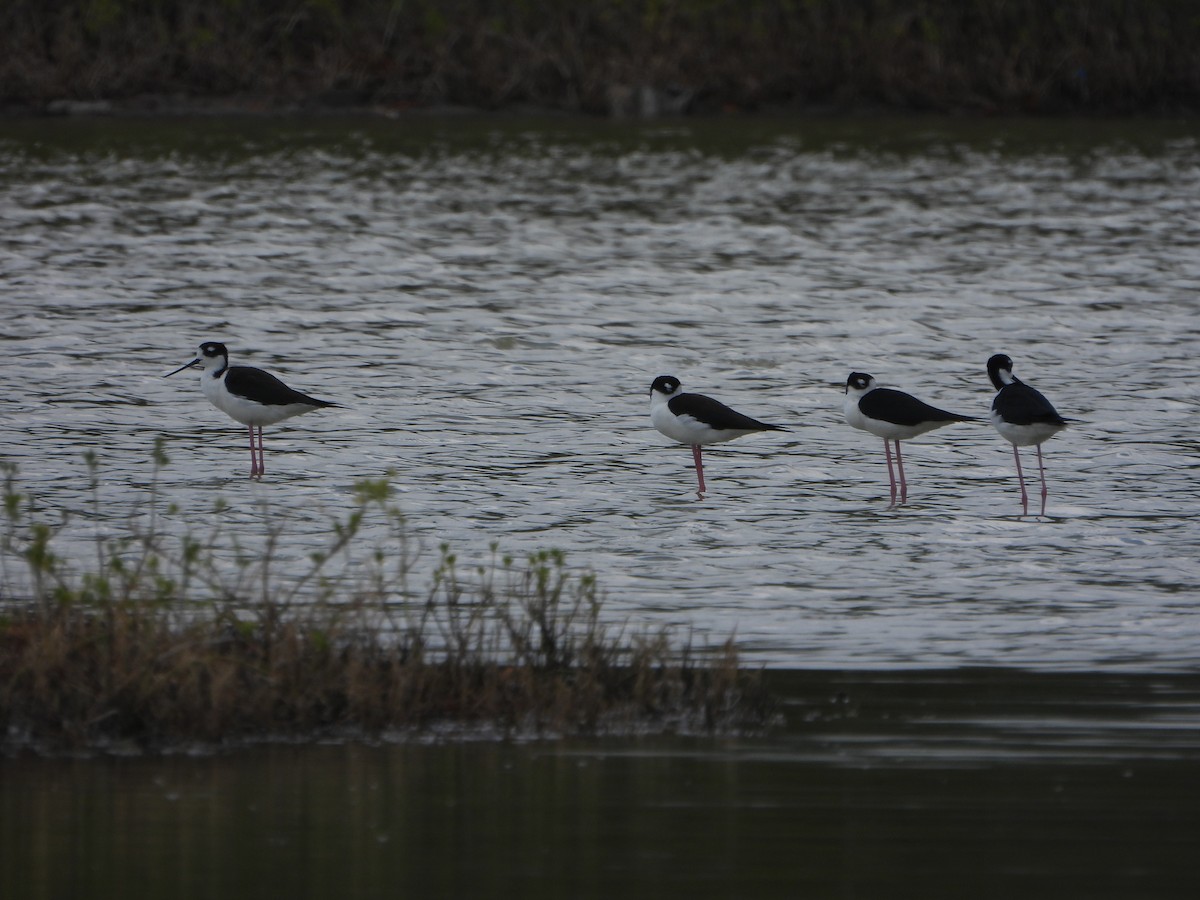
(933, 785)
(491, 299)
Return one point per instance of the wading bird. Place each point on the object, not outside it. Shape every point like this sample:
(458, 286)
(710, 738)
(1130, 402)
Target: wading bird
(1023, 417)
(894, 416)
(249, 395)
(697, 420)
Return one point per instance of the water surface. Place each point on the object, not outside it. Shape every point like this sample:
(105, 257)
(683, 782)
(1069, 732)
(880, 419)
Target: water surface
(490, 299)
(931, 785)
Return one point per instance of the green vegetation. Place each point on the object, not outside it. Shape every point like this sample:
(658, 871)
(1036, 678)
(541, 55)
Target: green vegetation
(153, 646)
(608, 56)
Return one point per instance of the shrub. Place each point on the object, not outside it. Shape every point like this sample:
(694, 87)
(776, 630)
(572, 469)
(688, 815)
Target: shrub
(161, 641)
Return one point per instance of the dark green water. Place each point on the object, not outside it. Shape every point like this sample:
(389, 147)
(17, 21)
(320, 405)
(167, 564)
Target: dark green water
(988, 783)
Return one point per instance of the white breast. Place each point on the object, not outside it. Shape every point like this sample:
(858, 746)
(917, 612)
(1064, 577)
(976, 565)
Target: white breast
(246, 411)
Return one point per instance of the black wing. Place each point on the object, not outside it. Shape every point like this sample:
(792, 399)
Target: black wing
(715, 414)
(899, 408)
(263, 387)
(1019, 404)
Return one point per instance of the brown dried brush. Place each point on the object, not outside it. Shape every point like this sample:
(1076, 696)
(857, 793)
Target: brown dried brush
(156, 648)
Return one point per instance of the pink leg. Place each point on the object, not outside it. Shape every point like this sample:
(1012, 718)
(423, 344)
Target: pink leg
(699, 468)
(887, 449)
(253, 456)
(1021, 478)
(1042, 471)
(903, 481)
(262, 462)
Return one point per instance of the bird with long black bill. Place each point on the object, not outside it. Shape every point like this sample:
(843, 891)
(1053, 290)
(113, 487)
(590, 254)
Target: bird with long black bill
(248, 395)
(894, 416)
(1023, 417)
(697, 420)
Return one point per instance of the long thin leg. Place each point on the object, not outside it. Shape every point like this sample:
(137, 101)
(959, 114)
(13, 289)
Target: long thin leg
(903, 480)
(262, 459)
(1042, 471)
(699, 468)
(887, 450)
(1021, 478)
(253, 455)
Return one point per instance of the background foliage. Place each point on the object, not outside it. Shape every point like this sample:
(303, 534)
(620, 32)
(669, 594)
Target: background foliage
(610, 56)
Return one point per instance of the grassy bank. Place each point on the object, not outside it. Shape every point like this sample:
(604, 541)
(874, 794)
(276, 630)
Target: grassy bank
(607, 56)
(161, 641)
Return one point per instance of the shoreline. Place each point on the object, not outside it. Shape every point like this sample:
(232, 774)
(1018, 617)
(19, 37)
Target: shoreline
(261, 107)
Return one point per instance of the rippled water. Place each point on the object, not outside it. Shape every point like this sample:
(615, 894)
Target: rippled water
(491, 298)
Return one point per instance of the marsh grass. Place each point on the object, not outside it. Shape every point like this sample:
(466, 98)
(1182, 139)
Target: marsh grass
(164, 641)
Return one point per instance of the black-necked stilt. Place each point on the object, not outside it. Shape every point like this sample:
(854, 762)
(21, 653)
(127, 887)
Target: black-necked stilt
(1023, 417)
(894, 416)
(697, 420)
(249, 395)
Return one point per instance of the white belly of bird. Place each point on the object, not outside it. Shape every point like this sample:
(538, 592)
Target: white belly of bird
(889, 431)
(1025, 435)
(688, 430)
(248, 412)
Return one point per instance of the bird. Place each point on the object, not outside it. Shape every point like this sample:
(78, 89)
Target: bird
(1023, 417)
(697, 420)
(894, 416)
(249, 395)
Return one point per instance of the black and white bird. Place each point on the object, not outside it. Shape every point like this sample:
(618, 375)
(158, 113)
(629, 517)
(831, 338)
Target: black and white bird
(894, 416)
(697, 420)
(1023, 417)
(249, 395)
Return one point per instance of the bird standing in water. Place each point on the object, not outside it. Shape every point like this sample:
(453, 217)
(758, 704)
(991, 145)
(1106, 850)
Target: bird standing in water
(894, 416)
(1023, 417)
(249, 395)
(697, 420)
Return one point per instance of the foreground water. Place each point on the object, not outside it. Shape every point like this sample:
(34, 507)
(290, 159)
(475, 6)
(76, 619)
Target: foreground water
(930, 785)
(490, 299)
